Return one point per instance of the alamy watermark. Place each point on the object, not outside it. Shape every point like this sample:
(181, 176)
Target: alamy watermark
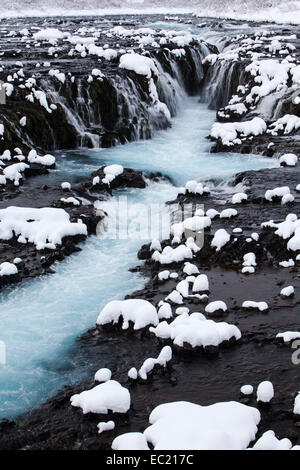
(126, 220)
(2, 93)
(296, 353)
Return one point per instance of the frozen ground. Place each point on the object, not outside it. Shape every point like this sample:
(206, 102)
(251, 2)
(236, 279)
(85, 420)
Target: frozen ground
(255, 10)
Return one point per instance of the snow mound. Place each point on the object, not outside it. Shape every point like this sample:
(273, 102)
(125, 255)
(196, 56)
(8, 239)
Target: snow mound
(265, 391)
(130, 441)
(102, 398)
(139, 64)
(196, 331)
(288, 336)
(103, 375)
(184, 425)
(139, 311)
(45, 227)
(269, 441)
(297, 405)
(221, 238)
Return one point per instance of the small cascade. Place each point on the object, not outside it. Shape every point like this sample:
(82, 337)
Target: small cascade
(221, 82)
(115, 108)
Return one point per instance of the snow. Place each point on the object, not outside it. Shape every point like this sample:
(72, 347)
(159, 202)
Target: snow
(289, 263)
(114, 170)
(269, 441)
(103, 375)
(195, 224)
(296, 410)
(173, 255)
(228, 213)
(288, 336)
(130, 441)
(139, 64)
(66, 186)
(196, 330)
(8, 269)
(246, 389)
(287, 124)
(175, 297)
(220, 239)
(163, 358)
(238, 198)
(277, 192)
(182, 310)
(23, 121)
(183, 288)
(133, 373)
(48, 34)
(201, 283)
(187, 426)
(249, 259)
(288, 159)
(261, 306)
(164, 275)
(14, 172)
(45, 227)
(109, 396)
(139, 311)
(70, 200)
(215, 306)
(155, 245)
(190, 269)
(102, 427)
(228, 132)
(265, 391)
(165, 311)
(287, 291)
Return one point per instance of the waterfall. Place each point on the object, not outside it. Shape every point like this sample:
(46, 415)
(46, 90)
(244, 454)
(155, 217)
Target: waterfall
(120, 107)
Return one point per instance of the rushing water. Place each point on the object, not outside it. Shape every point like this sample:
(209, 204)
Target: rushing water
(41, 318)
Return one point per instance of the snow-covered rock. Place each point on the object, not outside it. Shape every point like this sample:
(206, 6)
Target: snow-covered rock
(185, 426)
(105, 426)
(246, 389)
(287, 291)
(45, 227)
(238, 198)
(130, 441)
(109, 396)
(139, 64)
(296, 409)
(265, 391)
(8, 269)
(288, 159)
(201, 283)
(196, 331)
(261, 306)
(103, 375)
(221, 238)
(217, 305)
(288, 336)
(140, 312)
(269, 441)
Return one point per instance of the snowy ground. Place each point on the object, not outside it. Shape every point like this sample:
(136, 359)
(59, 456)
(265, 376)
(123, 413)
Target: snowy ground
(251, 10)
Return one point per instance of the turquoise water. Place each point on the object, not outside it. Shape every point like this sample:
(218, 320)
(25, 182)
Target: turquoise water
(41, 318)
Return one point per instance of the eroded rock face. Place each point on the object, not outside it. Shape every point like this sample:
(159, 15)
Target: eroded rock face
(73, 92)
